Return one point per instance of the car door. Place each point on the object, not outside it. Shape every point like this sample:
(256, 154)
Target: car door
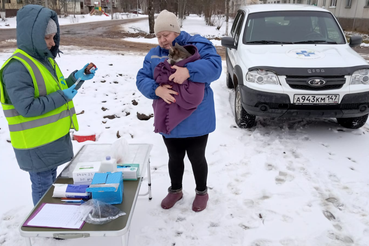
(235, 33)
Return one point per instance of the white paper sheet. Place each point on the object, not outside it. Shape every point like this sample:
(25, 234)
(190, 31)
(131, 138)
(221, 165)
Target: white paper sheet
(58, 216)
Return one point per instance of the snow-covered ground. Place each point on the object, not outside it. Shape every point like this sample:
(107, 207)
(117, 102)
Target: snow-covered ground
(282, 183)
(74, 19)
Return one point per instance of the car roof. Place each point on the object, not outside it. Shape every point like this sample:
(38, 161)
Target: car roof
(254, 8)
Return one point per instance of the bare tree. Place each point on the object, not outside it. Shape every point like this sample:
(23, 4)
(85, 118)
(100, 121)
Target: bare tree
(74, 7)
(181, 11)
(212, 8)
(151, 15)
(195, 6)
(227, 16)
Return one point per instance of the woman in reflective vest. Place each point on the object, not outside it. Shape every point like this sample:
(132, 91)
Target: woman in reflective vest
(37, 100)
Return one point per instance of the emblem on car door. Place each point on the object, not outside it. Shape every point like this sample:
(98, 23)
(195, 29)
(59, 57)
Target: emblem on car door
(316, 82)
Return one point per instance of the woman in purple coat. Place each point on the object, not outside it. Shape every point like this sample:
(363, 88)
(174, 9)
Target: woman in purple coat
(190, 135)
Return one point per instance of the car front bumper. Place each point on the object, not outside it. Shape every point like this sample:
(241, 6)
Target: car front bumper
(279, 105)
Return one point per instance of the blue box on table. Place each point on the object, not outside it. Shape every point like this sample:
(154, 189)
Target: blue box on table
(107, 187)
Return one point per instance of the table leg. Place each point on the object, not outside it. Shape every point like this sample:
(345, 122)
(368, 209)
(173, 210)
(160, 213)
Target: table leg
(28, 241)
(149, 182)
(125, 238)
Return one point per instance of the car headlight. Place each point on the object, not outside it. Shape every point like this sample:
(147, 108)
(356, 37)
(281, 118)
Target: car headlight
(360, 77)
(262, 77)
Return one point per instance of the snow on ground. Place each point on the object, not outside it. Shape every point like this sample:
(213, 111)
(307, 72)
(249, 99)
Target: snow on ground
(75, 19)
(291, 182)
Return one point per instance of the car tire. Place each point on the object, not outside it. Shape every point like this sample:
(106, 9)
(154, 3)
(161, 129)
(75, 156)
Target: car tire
(353, 123)
(229, 81)
(242, 118)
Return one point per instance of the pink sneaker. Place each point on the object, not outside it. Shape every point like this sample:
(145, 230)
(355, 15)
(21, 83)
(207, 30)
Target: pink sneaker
(172, 198)
(200, 202)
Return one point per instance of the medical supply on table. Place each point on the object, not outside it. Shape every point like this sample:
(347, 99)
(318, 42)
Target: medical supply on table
(107, 187)
(71, 191)
(101, 212)
(108, 165)
(120, 151)
(84, 172)
(73, 201)
(130, 171)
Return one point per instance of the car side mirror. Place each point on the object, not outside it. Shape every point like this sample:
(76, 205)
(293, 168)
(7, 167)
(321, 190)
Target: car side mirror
(228, 42)
(355, 41)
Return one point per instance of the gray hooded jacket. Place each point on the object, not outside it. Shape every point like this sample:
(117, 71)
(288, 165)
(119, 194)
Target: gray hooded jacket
(32, 21)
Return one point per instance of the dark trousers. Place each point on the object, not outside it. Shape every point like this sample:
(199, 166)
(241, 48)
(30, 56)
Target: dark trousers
(195, 148)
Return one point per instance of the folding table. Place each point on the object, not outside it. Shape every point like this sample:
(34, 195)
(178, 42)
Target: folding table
(138, 153)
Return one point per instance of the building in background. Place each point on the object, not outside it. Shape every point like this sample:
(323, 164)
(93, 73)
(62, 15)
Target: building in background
(353, 15)
(62, 7)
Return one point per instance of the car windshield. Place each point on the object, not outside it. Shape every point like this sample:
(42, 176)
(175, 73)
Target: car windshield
(290, 27)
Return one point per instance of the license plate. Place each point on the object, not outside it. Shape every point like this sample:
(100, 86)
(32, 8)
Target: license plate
(316, 99)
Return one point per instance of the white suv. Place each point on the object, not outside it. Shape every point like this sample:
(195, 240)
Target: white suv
(288, 60)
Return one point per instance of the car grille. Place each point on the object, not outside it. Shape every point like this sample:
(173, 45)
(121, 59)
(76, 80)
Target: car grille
(301, 83)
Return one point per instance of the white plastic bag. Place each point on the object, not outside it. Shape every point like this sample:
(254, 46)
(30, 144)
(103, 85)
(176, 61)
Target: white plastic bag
(120, 150)
(100, 212)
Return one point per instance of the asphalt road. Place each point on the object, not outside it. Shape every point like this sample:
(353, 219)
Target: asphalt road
(105, 35)
(108, 35)
(109, 28)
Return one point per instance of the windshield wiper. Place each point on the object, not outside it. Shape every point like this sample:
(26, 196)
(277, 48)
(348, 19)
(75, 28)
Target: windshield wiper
(315, 42)
(267, 42)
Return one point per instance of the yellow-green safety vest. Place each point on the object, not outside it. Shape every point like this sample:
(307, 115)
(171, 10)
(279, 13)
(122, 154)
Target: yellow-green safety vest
(32, 132)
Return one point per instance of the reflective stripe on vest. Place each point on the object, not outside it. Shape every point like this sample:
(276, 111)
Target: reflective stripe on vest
(37, 73)
(32, 132)
(40, 122)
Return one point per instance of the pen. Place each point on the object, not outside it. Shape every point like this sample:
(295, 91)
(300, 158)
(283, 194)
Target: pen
(73, 201)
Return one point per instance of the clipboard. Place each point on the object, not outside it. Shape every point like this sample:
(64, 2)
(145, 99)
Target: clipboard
(69, 216)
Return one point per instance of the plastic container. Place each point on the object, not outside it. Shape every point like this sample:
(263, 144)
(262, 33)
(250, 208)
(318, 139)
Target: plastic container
(80, 138)
(108, 165)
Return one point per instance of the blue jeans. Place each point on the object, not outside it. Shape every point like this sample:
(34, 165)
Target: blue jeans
(41, 182)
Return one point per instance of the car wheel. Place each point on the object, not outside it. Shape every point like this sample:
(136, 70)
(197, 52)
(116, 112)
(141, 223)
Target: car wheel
(229, 81)
(353, 123)
(242, 118)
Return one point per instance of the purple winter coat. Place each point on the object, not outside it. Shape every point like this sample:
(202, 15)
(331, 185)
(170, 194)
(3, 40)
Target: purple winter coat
(190, 95)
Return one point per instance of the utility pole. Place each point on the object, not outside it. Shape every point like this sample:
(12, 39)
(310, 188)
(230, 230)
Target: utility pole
(111, 9)
(353, 24)
(150, 10)
(227, 16)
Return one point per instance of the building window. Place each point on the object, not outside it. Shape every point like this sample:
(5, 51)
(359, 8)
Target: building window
(7, 1)
(19, 1)
(367, 3)
(348, 3)
(333, 3)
